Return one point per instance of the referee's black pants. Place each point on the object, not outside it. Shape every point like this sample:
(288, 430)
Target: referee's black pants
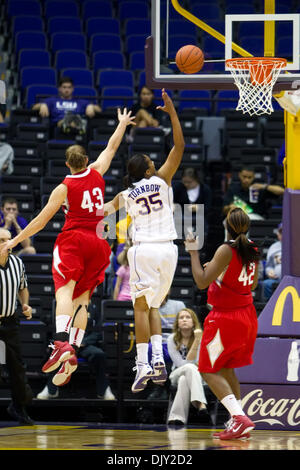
(10, 333)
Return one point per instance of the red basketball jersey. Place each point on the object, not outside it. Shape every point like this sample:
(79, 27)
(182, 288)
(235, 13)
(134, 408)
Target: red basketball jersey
(85, 199)
(233, 287)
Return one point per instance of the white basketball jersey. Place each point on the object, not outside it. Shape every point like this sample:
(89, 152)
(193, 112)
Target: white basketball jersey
(150, 205)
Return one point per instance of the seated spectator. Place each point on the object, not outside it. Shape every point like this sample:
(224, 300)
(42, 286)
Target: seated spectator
(253, 198)
(6, 159)
(12, 221)
(145, 112)
(91, 351)
(122, 286)
(65, 111)
(183, 347)
(191, 192)
(273, 266)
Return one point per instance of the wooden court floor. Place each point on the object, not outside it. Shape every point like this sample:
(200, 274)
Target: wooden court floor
(122, 437)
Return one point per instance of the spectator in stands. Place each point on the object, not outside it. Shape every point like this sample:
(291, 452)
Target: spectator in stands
(91, 351)
(14, 223)
(191, 192)
(122, 286)
(145, 111)
(6, 158)
(253, 198)
(65, 111)
(183, 347)
(273, 266)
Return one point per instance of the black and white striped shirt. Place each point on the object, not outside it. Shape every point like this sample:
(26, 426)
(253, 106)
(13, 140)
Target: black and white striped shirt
(12, 279)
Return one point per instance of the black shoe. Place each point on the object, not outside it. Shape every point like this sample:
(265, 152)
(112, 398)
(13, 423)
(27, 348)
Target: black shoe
(175, 422)
(204, 416)
(20, 415)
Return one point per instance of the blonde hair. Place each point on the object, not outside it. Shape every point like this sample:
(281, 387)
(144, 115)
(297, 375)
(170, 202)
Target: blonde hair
(177, 332)
(76, 157)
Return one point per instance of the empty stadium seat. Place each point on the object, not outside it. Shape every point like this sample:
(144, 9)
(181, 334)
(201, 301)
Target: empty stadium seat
(64, 24)
(133, 9)
(103, 25)
(55, 8)
(38, 76)
(33, 58)
(30, 40)
(23, 7)
(115, 77)
(108, 60)
(80, 76)
(35, 93)
(105, 42)
(117, 96)
(63, 41)
(70, 58)
(27, 23)
(94, 9)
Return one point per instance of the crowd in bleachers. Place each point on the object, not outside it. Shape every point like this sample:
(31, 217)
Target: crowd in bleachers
(100, 46)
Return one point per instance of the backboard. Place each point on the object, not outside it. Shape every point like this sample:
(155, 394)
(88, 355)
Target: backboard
(238, 29)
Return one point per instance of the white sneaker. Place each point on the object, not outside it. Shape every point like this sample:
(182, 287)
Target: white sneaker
(144, 372)
(159, 368)
(46, 395)
(108, 395)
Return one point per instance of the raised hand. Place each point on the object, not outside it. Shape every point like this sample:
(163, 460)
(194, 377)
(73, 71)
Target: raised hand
(126, 117)
(168, 103)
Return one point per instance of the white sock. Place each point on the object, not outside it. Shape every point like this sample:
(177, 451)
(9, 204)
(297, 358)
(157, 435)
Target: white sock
(156, 341)
(76, 336)
(142, 352)
(232, 405)
(240, 403)
(63, 323)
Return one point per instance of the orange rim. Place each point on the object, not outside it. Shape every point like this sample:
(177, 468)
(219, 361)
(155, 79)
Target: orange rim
(260, 67)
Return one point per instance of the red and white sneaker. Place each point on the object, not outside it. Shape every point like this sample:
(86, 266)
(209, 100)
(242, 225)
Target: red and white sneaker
(62, 351)
(63, 376)
(216, 435)
(238, 428)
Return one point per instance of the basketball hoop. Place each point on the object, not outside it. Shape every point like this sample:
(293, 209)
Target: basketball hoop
(255, 78)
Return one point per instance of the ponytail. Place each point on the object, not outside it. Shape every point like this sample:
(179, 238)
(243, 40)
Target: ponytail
(238, 224)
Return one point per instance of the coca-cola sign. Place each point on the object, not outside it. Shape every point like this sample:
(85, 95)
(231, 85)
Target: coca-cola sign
(272, 406)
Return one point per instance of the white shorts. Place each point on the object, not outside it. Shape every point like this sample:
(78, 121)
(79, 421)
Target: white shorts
(152, 268)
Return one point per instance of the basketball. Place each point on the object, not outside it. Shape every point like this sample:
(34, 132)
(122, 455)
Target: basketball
(189, 59)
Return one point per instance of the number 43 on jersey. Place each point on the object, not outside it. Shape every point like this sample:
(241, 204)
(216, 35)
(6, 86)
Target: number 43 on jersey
(87, 200)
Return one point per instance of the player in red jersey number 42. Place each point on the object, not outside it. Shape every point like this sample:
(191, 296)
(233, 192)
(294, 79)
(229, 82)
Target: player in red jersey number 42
(230, 328)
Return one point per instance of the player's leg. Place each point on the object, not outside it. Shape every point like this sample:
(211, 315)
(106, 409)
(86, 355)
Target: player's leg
(62, 350)
(77, 330)
(166, 266)
(239, 425)
(158, 362)
(142, 336)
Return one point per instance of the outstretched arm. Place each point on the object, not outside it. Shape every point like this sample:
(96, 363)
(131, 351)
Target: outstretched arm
(103, 162)
(55, 201)
(169, 168)
(114, 205)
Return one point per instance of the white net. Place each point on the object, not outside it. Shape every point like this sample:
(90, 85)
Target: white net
(255, 78)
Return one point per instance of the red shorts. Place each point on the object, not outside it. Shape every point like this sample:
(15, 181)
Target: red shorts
(228, 339)
(80, 256)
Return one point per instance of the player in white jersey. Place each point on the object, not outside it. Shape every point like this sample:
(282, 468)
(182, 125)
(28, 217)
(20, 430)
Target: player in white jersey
(152, 259)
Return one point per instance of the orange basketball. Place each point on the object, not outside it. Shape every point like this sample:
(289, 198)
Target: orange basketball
(189, 59)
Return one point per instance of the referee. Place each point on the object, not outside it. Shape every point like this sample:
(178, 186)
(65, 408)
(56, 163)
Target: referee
(13, 285)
